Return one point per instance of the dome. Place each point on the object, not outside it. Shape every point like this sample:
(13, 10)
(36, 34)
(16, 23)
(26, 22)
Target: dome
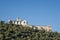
(24, 22)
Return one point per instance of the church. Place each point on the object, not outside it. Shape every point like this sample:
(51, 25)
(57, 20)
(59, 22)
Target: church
(18, 21)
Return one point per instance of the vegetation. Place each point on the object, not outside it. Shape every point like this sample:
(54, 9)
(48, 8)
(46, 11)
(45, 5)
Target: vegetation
(18, 32)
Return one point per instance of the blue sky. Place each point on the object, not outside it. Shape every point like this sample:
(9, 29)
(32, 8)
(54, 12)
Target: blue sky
(37, 12)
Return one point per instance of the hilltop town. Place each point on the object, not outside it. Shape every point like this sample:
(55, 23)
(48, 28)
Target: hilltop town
(25, 23)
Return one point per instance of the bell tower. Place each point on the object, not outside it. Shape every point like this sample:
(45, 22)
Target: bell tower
(18, 21)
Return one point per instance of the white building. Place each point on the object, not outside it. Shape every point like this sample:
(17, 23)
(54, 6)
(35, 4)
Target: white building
(18, 21)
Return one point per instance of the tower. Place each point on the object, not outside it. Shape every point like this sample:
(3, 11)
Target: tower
(18, 21)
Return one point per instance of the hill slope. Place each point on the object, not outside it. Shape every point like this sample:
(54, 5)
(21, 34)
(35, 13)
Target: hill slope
(19, 32)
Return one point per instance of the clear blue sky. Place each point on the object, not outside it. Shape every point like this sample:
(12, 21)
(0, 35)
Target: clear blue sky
(37, 12)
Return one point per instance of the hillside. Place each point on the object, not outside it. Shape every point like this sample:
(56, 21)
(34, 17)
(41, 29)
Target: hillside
(19, 32)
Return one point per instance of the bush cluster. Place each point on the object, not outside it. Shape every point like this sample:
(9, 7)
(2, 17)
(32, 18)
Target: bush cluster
(19, 32)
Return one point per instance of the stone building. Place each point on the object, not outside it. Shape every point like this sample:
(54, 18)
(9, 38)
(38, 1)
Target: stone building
(46, 28)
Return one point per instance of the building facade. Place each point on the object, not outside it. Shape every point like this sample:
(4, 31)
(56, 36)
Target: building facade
(18, 21)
